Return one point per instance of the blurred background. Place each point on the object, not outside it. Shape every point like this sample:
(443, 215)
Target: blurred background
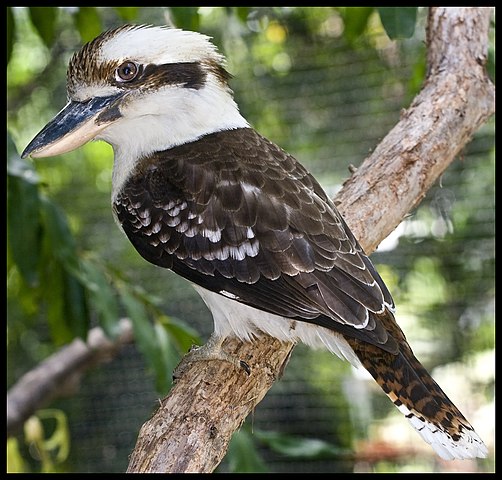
(326, 84)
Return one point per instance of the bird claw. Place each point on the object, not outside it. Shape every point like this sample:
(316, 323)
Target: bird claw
(245, 367)
(212, 350)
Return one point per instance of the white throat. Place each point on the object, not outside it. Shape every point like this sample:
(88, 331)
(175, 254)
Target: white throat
(166, 118)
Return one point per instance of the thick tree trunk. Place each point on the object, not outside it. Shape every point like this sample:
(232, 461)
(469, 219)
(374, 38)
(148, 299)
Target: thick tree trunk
(191, 430)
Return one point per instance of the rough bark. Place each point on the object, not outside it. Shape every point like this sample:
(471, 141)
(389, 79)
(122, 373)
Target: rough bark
(60, 374)
(191, 430)
(456, 99)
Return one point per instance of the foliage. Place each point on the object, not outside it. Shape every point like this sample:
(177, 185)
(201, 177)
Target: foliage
(44, 21)
(51, 450)
(67, 271)
(294, 447)
(243, 454)
(68, 282)
(399, 22)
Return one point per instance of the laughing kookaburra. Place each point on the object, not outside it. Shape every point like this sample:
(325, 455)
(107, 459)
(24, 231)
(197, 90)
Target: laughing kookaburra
(199, 191)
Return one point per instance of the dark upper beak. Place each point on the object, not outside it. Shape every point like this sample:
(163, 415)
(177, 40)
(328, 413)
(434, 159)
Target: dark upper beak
(74, 126)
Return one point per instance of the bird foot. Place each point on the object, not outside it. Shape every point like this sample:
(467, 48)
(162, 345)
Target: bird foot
(212, 350)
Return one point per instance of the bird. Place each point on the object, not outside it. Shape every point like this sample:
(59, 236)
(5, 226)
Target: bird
(197, 190)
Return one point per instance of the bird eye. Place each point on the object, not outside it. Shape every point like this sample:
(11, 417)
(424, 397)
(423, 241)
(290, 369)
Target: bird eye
(127, 72)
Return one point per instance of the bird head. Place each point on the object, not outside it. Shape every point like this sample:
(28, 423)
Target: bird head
(141, 89)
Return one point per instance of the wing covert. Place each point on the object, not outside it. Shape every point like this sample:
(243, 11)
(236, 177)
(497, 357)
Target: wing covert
(234, 212)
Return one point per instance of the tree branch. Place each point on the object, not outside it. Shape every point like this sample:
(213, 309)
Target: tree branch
(191, 430)
(456, 99)
(60, 374)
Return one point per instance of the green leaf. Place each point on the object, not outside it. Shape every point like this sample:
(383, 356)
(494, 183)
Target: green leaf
(39, 238)
(15, 462)
(175, 339)
(127, 14)
(102, 297)
(23, 227)
(59, 236)
(490, 63)
(143, 329)
(44, 21)
(399, 22)
(181, 334)
(52, 290)
(355, 21)
(24, 231)
(18, 167)
(11, 32)
(169, 359)
(152, 343)
(295, 447)
(418, 72)
(60, 440)
(243, 456)
(88, 23)
(186, 17)
(75, 305)
(63, 291)
(242, 13)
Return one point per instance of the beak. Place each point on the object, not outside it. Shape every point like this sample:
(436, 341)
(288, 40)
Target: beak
(74, 126)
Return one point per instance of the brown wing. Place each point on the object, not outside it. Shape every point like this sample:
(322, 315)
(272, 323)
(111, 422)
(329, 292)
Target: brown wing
(233, 212)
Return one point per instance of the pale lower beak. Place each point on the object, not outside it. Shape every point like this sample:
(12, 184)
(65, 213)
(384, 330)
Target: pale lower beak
(74, 126)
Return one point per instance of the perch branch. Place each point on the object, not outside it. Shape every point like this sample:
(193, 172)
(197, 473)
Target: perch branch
(191, 430)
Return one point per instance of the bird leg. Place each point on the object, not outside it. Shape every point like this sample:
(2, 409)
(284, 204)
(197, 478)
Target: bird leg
(212, 350)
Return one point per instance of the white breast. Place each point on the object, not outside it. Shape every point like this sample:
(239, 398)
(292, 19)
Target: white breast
(232, 318)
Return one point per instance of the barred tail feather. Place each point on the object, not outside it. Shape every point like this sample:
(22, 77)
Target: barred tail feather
(467, 444)
(420, 399)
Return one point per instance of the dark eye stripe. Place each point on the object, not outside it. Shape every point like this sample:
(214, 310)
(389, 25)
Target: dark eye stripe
(188, 75)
